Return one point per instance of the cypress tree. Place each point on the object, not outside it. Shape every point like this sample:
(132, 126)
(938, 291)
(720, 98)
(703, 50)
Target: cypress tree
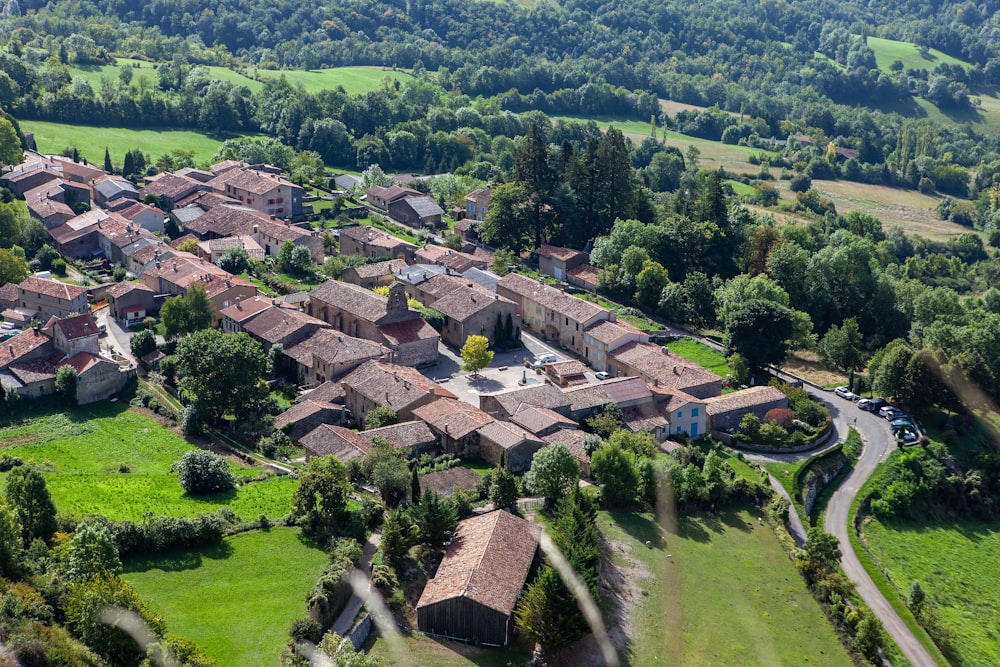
(415, 486)
(108, 167)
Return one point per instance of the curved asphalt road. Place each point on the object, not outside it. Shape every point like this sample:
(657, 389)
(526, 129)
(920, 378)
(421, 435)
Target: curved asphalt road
(878, 444)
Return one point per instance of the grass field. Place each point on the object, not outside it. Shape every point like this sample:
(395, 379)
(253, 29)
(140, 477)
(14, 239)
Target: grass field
(355, 80)
(955, 563)
(418, 650)
(700, 354)
(91, 141)
(717, 590)
(887, 51)
(238, 600)
(83, 452)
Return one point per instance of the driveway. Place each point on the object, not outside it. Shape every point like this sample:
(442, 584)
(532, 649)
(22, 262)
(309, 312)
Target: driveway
(117, 340)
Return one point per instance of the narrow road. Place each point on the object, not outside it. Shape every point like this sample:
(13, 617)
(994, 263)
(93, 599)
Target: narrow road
(345, 621)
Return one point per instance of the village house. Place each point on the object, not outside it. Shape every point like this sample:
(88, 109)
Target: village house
(583, 276)
(371, 242)
(476, 587)
(241, 311)
(456, 424)
(476, 203)
(573, 439)
(427, 283)
(469, 311)
(660, 368)
(726, 411)
(456, 261)
(130, 302)
(504, 405)
(285, 326)
(380, 197)
(552, 313)
(685, 413)
(557, 262)
(540, 421)
(399, 388)
(306, 415)
(327, 354)
(412, 438)
(213, 249)
(389, 321)
(515, 444)
(168, 189)
(39, 169)
(178, 274)
(51, 201)
(108, 188)
(420, 211)
(379, 274)
(261, 189)
(567, 373)
(332, 440)
(44, 298)
(148, 217)
(226, 221)
(603, 338)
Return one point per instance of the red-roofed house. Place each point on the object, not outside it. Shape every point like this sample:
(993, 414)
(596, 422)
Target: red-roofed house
(44, 298)
(556, 261)
(399, 388)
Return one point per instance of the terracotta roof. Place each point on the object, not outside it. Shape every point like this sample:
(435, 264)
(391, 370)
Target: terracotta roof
(392, 193)
(554, 299)
(378, 269)
(334, 347)
(328, 392)
(52, 288)
(327, 439)
(83, 361)
(609, 332)
(542, 395)
(625, 389)
(405, 435)
(307, 415)
(285, 326)
(556, 252)
(244, 309)
(171, 186)
(566, 369)
(452, 259)
(505, 434)
(374, 237)
(672, 399)
(540, 420)
(8, 292)
(659, 365)
(645, 417)
(487, 561)
(396, 387)
(745, 399)
(251, 180)
(38, 370)
(456, 418)
(587, 397)
(118, 290)
(237, 221)
(133, 210)
(573, 439)
(409, 331)
(226, 165)
(181, 240)
(356, 300)
(46, 208)
(464, 302)
(444, 482)
(78, 326)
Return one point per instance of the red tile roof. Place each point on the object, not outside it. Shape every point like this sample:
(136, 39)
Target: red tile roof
(556, 252)
(456, 418)
(338, 441)
(79, 326)
(52, 288)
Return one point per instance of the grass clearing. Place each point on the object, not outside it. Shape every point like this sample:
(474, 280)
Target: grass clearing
(237, 600)
(718, 589)
(955, 563)
(355, 80)
(91, 141)
(701, 354)
(887, 51)
(421, 650)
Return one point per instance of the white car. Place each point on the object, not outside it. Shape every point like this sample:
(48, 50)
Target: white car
(846, 393)
(601, 375)
(543, 359)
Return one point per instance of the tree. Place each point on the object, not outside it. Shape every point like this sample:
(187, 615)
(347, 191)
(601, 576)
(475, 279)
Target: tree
(385, 467)
(88, 604)
(285, 252)
(435, 519)
(13, 268)
(543, 609)
(476, 354)
(553, 472)
(11, 544)
(841, 346)
(759, 331)
(649, 284)
(415, 486)
(108, 167)
(380, 416)
(321, 499)
(202, 473)
(10, 145)
(398, 534)
(605, 422)
(223, 372)
(612, 467)
(500, 264)
(93, 552)
(821, 547)
(503, 489)
(29, 497)
(188, 313)
(142, 343)
(66, 382)
(507, 224)
(235, 261)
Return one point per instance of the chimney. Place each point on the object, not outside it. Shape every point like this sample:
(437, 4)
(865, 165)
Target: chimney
(387, 398)
(10, 349)
(406, 385)
(446, 430)
(675, 370)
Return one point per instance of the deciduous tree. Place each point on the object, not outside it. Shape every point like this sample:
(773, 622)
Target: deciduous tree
(222, 371)
(321, 499)
(553, 472)
(29, 497)
(476, 354)
(202, 472)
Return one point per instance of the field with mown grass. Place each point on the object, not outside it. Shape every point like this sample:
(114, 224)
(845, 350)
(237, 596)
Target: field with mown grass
(236, 600)
(715, 590)
(701, 354)
(887, 51)
(107, 458)
(955, 563)
(418, 650)
(355, 80)
(91, 141)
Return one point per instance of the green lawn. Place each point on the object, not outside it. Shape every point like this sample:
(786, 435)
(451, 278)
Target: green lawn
(83, 452)
(718, 590)
(91, 141)
(238, 600)
(355, 80)
(955, 563)
(740, 188)
(700, 354)
(416, 649)
(887, 51)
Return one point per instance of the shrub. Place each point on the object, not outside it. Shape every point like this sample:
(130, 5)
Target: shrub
(306, 629)
(202, 472)
(781, 416)
(142, 343)
(59, 267)
(800, 183)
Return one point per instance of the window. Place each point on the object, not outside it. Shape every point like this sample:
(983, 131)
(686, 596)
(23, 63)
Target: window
(270, 201)
(694, 412)
(678, 429)
(279, 200)
(567, 321)
(680, 413)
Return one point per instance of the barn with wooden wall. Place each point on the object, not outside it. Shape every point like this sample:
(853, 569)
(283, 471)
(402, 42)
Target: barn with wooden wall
(473, 594)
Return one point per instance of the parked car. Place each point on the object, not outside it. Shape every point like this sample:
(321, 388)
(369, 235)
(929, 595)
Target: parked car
(845, 393)
(543, 359)
(872, 404)
(902, 421)
(892, 414)
(884, 411)
(601, 375)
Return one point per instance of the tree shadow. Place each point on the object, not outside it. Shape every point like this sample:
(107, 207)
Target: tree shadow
(640, 527)
(179, 560)
(483, 384)
(224, 498)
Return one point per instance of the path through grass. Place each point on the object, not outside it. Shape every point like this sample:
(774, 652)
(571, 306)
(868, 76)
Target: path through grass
(717, 590)
(237, 600)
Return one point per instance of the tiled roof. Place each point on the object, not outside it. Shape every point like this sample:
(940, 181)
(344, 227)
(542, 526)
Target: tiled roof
(408, 331)
(52, 288)
(118, 290)
(672, 399)
(554, 299)
(625, 389)
(83, 361)
(46, 208)
(327, 439)
(285, 326)
(243, 309)
(391, 193)
(539, 420)
(452, 259)
(328, 392)
(334, 347)
(464, 302)
(643, 417)
(251, 180)
(587, 397)
(171, 186)
(573, 439)
(37, 370)
(375, 237)
(133, 210)
(404, 435)
(456, 418)
(353, 299)
(505, 434)
(565, 369)
(306, 414)
(8, 292)
(79, 326)
(609, 332)
(237, 221)
(543, 396)
(663, 367)
(556, 252)
(378, 269)
(396, 387)
(745, 399)
(226, 165)
(487, 561)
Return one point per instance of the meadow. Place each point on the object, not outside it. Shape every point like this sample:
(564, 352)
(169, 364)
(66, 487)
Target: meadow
(888, 51)
(109, 459)
(355, 80)
(417, 650)
(701, 354)
(715, 589)
(955, 563)
(91, 141)
(236, 600)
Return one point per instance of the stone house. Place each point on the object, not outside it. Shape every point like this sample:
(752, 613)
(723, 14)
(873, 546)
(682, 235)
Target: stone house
(45, 298)
(304, 416)
(389, 321)
(380, 197)
(379, 274)
(270, 234)
(726, 411)
(331, 440)
(517, 445)
(476, 203)
(178, 274)
(327, 354)
(456, 261)
(412, 437)
(72, 335)
(471, 312)
(260, 189)
(399, 388)
(420, 211)
(371, 242)
(476, 587)
(213, 249)
(604, 337)
(148, 217)
(456, 424)
(170, 188)
(108, 188)
(660, 368)
(130, 302)
(556, 261)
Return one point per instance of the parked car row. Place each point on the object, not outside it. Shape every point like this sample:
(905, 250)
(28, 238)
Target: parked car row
(901, 424)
